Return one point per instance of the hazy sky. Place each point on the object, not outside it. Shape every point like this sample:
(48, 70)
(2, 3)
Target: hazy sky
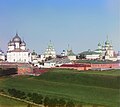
(79, 23)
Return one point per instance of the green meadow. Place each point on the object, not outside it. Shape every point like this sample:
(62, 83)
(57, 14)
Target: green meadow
(6, 102)
(89, 88)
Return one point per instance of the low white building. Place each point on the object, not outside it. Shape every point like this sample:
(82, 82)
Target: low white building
(91, 55)
(56, 62)
(17, 51)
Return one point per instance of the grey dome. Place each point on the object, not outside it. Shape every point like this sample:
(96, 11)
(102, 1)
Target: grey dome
(16, 38)
(9, 43)
(12, 43)
(23, 44)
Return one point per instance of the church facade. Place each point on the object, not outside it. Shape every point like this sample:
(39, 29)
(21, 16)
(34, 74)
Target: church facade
(106, 51)
(17, 51)
(50, 51)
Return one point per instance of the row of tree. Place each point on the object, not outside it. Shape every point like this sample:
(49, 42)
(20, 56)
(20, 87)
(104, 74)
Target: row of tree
(39, 99)
(8, 71)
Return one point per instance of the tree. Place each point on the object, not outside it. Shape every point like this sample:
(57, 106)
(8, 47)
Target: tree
(82, 56)
(95, 105)
(29, 105)
(46, 101)
(53, 102)
(79, 105)
(17, 93)
(62, 103)
(70, 104)
(36, 98)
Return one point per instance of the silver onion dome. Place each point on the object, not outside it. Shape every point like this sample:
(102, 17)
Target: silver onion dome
(23, 44)
(16, 38)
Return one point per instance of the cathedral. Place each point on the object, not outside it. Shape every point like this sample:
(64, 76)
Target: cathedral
(17, 51)
(50, 51)
(106, 51)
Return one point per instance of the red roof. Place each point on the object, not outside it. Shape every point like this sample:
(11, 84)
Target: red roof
(75, 65)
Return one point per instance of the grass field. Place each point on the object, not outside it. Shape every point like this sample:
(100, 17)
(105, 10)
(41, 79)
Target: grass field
(82, 87)
(6, 102)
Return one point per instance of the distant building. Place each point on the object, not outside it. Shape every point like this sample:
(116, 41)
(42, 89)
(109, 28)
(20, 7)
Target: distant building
(56, 62)
(91, 54)
(2, 55)
(50, 51)
(17, 51)
(34, 58)
(105, 52)
(64, 53)
(71, 56)
(118, 56)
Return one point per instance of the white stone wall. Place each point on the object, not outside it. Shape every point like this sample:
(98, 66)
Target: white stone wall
(93, 56)
(17, 45)
(10, 48)
(22, 57)
(72, 58)
(49, 65)
(2, 57)
(22, 47)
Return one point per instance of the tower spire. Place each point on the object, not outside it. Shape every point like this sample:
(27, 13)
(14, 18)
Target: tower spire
(107, 37)
(68, 47)
(16, 33)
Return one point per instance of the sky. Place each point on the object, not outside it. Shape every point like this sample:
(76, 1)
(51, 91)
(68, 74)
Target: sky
(80, 23)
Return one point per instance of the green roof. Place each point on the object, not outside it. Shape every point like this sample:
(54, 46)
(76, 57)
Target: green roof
(34, 53)
(89, 53)
(70, 53)
(98, 50)
(99, 44)
(96, 61)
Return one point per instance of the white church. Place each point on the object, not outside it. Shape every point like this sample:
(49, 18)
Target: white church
(50, 51)
(17, 51)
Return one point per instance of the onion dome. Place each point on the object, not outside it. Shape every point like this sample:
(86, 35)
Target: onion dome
(99, 44)
(1, 51)
(9, 43)
(23, 44)
(12, 43)
(16, 38)
(107, 42)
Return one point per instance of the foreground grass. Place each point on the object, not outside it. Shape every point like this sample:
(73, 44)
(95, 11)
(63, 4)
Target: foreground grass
(82, 87)
(6, 102)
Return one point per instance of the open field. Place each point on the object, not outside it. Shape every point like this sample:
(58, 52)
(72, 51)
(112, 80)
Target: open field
(6, 102)
(100, 88)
